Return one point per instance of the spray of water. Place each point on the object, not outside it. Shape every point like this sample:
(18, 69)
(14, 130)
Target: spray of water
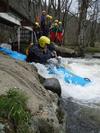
(82, 67)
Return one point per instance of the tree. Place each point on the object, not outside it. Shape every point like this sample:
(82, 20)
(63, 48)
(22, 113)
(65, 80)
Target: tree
(94, 22)
(65, 15)
(82, 10)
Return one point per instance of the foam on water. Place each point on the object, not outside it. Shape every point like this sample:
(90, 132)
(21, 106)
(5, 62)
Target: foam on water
(89, 68)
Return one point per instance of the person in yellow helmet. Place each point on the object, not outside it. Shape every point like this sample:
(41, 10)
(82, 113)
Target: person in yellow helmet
(50, 21)
(43, 22)
(53, 32)
(48, 25)
(36, 31)
(40, 52)
(60, 34)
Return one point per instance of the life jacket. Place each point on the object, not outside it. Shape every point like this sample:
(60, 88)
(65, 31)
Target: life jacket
(27, 49)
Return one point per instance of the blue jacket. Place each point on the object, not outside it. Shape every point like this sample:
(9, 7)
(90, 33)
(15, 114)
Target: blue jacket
(43, 18)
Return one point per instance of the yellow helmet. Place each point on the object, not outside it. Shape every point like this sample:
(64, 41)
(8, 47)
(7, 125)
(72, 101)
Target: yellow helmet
(56, 21)
(47, 16)
(50, 17)
(43, 41)
(37, 24)
(60, 22)
(55, 24)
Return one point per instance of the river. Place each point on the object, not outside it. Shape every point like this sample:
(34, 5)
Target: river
(82, 104)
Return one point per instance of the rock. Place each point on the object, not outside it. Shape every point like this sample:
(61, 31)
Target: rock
(44, 122)
(53, 85)
(41, 79)
(96, 55)
(6, 126)
(82, 118)
(65, 52)
(42, 104)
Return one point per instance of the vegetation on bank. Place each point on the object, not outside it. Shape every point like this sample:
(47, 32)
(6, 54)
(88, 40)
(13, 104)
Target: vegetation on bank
(13, 108)
(93, 50)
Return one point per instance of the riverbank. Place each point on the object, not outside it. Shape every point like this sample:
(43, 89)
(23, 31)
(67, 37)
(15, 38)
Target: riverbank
(42, 103)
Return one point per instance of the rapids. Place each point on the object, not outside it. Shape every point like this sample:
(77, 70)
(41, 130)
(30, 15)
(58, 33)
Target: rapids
(89, 68)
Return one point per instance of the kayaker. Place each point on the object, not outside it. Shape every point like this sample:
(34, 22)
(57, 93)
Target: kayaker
(40, 51)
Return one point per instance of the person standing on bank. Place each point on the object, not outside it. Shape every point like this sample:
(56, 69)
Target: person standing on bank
(43, 22)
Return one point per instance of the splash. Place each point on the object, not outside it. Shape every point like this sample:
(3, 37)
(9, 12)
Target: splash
(82, 67)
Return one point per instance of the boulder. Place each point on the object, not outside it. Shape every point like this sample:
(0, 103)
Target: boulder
(53, 85)
(42, 104)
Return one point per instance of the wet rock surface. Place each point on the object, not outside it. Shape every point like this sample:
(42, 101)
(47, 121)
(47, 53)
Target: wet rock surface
(53, 85)
(82, 118)
(6, 126)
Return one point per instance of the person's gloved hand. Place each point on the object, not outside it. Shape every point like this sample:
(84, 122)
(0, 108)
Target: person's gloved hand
(54, 54)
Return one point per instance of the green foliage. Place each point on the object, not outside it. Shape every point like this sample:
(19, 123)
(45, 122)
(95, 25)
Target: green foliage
(13, 107)
(93, 49)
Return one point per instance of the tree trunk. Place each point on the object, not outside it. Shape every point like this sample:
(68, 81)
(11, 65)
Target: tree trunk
(83, 5)
(59, 10)
(94, 25)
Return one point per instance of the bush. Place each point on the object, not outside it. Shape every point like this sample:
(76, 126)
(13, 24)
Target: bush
(13, 107)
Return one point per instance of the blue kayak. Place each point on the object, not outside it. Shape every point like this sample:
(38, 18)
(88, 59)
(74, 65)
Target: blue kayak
(14, 54)
(68, 76)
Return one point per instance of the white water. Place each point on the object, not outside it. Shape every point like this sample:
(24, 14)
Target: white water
(89, 68)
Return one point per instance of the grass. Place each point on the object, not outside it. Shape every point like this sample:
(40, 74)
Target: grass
(13, 107)
(93, 49)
